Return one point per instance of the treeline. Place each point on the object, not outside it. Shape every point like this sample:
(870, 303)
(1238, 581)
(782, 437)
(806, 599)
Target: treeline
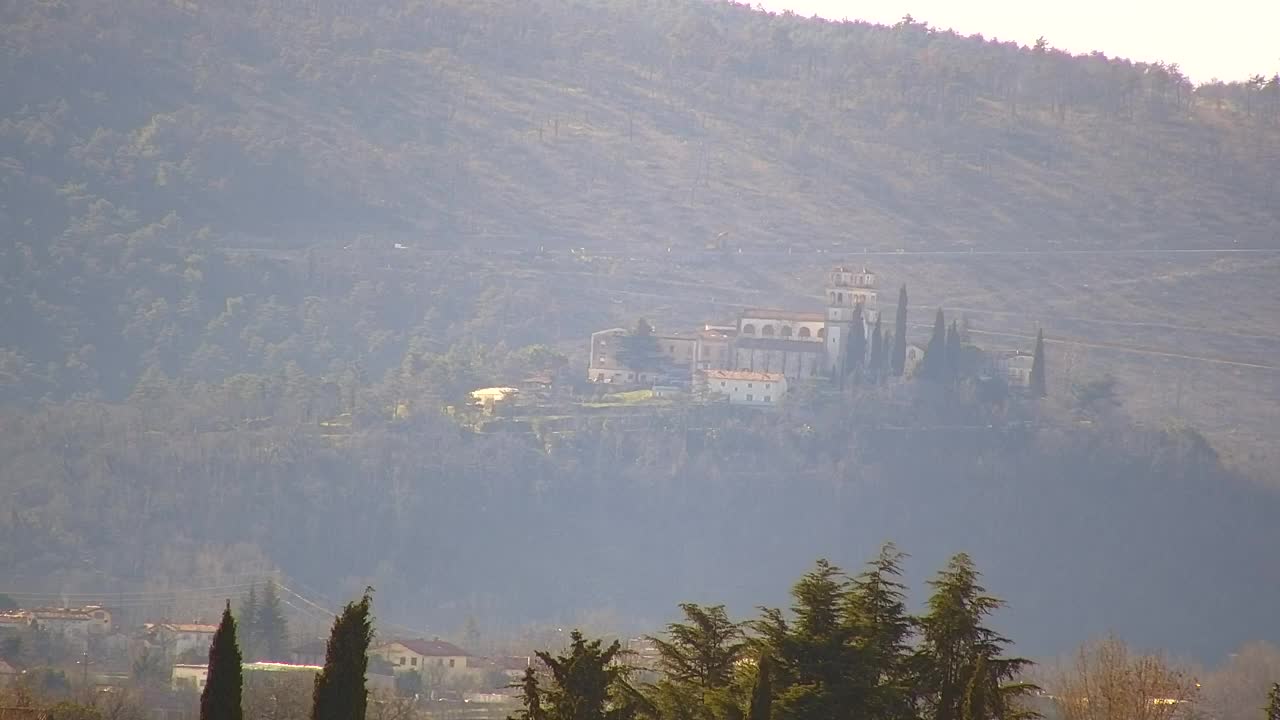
(645, 512)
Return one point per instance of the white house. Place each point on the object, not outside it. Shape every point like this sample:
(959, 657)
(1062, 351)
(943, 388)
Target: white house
(1017, 369)
(190, 676)
(914, 356)
(182, 638)
(419, 655)
(73, 625)
(744, 387)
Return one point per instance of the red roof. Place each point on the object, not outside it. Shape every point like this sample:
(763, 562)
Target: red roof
(433, 648)
(743, 375)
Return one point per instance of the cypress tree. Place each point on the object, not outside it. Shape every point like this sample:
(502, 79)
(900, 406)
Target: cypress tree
(762, 693)
(855, 348)
(876, 369)
(530, 697)
(1273, 702)
(953, 351)
(221, 697)
(899, 356)
(934, 365)
(340, 692)
(1039, 386)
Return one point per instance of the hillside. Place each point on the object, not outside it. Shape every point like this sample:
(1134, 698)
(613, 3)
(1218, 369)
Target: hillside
(233, 235)
(626, 125)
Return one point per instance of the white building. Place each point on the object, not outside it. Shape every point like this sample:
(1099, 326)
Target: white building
(744, 387)
(73, 625)
(1017, 369)
(422, 655)
(179, 639)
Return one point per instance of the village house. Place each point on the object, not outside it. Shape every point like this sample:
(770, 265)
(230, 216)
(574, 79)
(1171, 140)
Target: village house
(73, 625)
(182, 639)
(914, 356)
(1017, 369)
(420, 655)
(743, 387)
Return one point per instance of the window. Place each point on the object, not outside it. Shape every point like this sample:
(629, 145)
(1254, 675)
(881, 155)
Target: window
(786, 331)
(749, 398)
(401, 661)
(721, 383)
(839, 298)
(822, 332)
(748, 329)
(450, 662)
(804, 332)
(766, 331)
(413, 662)
(766, 398)
(672, 348)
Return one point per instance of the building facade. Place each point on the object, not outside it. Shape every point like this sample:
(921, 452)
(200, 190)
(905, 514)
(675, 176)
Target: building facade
(798, 345)
(743, 387)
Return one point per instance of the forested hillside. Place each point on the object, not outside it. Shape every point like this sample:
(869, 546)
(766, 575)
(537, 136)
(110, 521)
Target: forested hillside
(236, 237)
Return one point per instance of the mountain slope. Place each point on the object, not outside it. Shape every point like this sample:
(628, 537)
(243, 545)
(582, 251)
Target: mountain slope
(621, 124)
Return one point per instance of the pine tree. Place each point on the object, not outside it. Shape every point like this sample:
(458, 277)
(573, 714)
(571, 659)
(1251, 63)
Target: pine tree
(876, 368)
(1273, 702)
(955, 641)
(340, 692)
(934, 364)
(586, 683)
(882, 628)
(762, 692)
(220, 699)
(703, 650)
(248, 625)
(270, 626)
(530, 697)
(900, 335)
(1039, 386)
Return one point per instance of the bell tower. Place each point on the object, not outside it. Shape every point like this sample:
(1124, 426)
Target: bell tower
(847, 291)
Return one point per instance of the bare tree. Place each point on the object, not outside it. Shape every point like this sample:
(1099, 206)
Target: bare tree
(1107, 681)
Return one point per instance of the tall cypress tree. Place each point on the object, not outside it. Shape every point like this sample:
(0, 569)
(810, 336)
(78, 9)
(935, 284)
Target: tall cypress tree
(340, 692)
(934, 365)
(855, 348)
(1039, 385)
(875, 369)
(953, 351)
(221, 697)
(762, 693)
(899, 356)
(1273, 702)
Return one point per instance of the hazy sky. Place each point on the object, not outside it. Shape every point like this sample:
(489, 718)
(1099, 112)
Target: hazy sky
(1227, 39)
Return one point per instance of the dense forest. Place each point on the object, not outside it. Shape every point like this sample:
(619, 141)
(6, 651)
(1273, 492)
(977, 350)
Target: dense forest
(226, 226)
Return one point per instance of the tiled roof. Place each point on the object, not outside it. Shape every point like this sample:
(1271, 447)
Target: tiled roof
(773, 314)
(743, 375)
(433, 648)
(192, 628)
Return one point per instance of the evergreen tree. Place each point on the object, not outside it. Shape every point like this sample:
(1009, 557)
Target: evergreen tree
(761, 707)
(340, 692)
(639, 350)
(817, 665)
(855, 347)
(248, 625)
(875, 369)
(1039, 386)
(586, 683)
(1273, 702)
(953, 351)
(900, 334)
(703, 650)
(956, 642)
(934, 364)
(271, 629)
(882, 628)
(220, 699)
(530, 697)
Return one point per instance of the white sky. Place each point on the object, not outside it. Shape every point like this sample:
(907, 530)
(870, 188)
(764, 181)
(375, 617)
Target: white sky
(1226, 39)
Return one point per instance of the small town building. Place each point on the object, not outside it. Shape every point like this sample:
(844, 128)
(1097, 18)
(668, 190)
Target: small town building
(411, 655)
(179, 639)
(1017, 369)
(73, 625)
(744, 387)
(914, 356)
